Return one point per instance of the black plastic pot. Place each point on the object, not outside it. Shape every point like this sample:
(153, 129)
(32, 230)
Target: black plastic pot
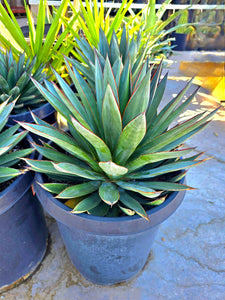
(23, 232)
(107, 250)
(45, 112)
(180, 41)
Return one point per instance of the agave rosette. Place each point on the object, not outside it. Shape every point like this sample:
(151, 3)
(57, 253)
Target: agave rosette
(10, 154)
(120, 153)
(16, 83)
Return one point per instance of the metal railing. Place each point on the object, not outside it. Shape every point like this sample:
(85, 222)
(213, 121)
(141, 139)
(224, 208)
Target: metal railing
(140, 5)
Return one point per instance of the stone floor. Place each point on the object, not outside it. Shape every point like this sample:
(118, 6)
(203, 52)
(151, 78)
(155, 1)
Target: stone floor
(188, 256)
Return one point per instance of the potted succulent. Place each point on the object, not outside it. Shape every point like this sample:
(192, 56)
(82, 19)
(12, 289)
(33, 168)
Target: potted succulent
(23, 231)
(16, 84)
(118, 172)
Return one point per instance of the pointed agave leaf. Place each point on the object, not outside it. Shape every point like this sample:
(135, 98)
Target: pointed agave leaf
(99, 87)
(4, 84)
(114, 49)
(7, 173)
(101, 148)
(168, 168)
(86, 48)
(123, 44)
(11, 77)
(72, 169)
(42, 166)
(131, 135)
(79, 190)
(108, 78)
(54, 188)
(109, 193)
(100, 210)
(156, 100)
(71, 101)
(12, 141)
(157, 201)
(127, 211)
(8, 132)
(161, 142)
(56, 156)
(168, 186)
(103, 43)
(138, 102)
(3, 150)
(5, 110)
(155, 157)
(139, 187)
(140, 76)
(124, 86)
(85, 94)
(170, 112)
(87, 204)
(52, 97)
(12, 158)
(113, 170)
(133, 204)
(155, 80)
(111, 119)
(117, 68)
(61, 139)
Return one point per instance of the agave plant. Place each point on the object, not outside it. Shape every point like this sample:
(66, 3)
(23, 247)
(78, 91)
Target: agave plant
(15, 82)
(121, 154)
(9, 151)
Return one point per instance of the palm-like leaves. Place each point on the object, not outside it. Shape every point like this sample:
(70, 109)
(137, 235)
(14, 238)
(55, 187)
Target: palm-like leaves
(47, 48)
(119, 154)
(9, 155)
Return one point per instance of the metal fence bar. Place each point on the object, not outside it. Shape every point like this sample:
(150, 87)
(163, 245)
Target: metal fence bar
(140, 6)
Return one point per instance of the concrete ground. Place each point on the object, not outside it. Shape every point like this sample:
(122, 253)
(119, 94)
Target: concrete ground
(188, 256)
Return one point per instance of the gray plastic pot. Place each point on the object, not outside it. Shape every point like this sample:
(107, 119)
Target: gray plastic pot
(23, 232)
(107, 250)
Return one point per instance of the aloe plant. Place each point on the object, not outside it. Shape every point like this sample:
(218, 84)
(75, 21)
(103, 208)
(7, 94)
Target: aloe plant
(15, 82)
(9, 151)
(121, 155)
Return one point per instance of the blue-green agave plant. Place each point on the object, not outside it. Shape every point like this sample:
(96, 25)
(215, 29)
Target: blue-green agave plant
(120, 154)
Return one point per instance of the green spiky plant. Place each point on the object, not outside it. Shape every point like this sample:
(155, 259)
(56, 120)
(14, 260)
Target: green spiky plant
(9, 139)
(47, 49)
(16, 83)
(155, 31)
(121, 154)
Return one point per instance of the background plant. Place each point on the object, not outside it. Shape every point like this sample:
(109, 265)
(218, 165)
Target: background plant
(120, 154)
(15, 82)
(9, 140)
(47, 48)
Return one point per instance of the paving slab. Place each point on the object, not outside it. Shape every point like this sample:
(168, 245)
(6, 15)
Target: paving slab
(188, 256)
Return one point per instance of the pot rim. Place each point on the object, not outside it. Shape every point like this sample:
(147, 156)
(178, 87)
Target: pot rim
(106, 225)
(42, 111)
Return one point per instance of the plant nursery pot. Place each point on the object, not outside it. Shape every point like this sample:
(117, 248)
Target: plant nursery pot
(180, 41)
(23, 232)
(45, 112)
(107, 250)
